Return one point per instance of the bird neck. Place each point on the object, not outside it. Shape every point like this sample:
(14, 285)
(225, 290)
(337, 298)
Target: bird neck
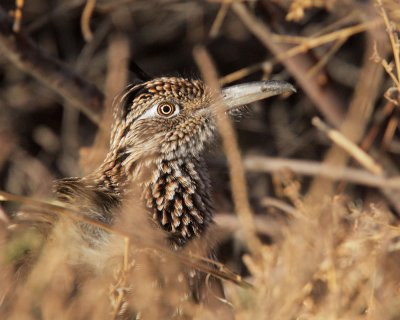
(113, 175)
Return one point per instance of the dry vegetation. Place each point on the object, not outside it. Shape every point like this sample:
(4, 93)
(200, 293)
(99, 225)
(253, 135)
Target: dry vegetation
(316, 230)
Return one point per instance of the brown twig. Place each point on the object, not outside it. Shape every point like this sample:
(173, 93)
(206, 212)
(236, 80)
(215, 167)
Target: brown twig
(19, 6)
(216, 26)
(304, 44)
(390, 131)
(244, 72)
(324, 60)
(350, 147)
(324, 98)
(381, 115)
(360, 108)
(394, 42)
(313, 168)
(24, 53)
(85, 20)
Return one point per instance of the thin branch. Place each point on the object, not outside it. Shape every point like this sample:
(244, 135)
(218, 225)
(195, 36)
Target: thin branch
(350, 147)
(313, 168)
(19, 6)
(85, 20)
(359, 112)
(219, 19)
(325, 98)
(28, 57)
(324, 60)
(393, 41)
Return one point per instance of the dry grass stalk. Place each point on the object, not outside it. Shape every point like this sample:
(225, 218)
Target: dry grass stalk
(323, 267)
(236, 170)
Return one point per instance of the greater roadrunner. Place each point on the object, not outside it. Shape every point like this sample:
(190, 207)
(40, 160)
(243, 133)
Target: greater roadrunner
(160, 131)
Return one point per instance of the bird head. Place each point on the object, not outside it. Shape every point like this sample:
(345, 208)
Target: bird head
(175, 117)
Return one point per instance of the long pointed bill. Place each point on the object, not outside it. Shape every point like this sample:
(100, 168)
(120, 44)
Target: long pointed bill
(241, 94)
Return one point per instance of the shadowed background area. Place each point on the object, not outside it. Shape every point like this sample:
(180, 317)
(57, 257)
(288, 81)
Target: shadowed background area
(321, 165)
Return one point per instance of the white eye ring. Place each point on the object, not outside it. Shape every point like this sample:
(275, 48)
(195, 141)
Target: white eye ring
(162, 110)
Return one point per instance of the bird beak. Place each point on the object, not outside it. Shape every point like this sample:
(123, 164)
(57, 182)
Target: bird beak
(241, 94)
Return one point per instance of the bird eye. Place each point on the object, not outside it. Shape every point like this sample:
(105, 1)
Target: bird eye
(166, 109)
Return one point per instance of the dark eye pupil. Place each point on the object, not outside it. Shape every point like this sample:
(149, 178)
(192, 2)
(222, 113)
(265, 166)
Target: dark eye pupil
(166, 109)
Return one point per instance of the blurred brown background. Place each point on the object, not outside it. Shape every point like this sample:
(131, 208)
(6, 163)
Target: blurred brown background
(340, 55)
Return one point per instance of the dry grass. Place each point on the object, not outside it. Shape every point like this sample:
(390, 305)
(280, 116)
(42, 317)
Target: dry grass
(328, 244)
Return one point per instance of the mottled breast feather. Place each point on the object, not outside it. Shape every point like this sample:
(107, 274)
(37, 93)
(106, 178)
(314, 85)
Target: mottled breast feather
(178, 196)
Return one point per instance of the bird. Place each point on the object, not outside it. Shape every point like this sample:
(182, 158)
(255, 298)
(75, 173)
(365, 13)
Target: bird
(162, 127)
